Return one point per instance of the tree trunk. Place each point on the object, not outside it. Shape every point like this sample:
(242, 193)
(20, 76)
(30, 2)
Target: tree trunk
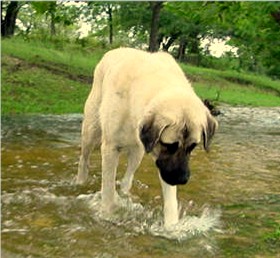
(276, 16)
(8, 24)
(182, 49)
(110, 21)
(193, 45)
(53, 30)
(2, 19)
(193, 42)
(153, 43)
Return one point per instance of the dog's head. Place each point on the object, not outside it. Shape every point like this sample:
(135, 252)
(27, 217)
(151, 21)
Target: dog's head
(171, 137)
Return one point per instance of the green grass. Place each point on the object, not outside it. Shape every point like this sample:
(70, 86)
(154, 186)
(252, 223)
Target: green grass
(67, 57)
(237, 95)
(245, 79)
(274, 236)
(234, 88)
(39, 77)
(37, 90)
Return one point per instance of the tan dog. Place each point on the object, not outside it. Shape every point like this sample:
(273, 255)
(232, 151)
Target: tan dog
(143, 102)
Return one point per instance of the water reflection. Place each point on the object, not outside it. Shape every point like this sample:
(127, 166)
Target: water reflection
(44, 215)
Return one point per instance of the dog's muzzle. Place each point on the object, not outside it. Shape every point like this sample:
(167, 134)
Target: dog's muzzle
(174, 168)
(175, 177)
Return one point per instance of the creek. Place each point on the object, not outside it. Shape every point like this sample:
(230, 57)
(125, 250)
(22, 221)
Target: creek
(229, 208)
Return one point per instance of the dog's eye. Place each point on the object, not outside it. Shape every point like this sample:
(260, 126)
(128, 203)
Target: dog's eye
(191, 147)
(171, 148)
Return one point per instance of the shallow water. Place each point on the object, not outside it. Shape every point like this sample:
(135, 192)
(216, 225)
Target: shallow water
(229, 208)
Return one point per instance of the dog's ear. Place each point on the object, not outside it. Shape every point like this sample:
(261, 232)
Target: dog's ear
(150, 133)
(209, 131)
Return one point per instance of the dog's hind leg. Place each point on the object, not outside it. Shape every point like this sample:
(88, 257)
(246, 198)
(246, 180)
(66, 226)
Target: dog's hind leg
(91, 130)
(171, 212)
(135, 155)
(91, 134)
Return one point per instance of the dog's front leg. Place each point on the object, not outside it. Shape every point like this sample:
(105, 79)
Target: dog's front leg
(171, 213)
(110, 159)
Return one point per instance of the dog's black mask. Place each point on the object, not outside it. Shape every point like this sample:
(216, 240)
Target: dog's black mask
(174, 167)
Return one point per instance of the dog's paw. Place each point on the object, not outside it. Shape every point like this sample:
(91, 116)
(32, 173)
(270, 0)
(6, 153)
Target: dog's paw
(125, 187)
(79, 180)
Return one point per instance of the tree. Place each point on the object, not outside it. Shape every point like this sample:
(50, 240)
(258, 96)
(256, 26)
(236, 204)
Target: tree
(109, 12)
(8, 23)
(49, 9)
(153, 43)
(56, 13)
(103, 14)
(142, 19)
(254, 29)
(186, 23)
(135, 21)
(180, 26)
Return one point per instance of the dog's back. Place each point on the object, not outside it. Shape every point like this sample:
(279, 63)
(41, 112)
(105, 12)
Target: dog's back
(127, 63)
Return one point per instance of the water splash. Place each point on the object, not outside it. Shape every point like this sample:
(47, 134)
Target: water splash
(189, 226)
(131, 215)
(127, 212)
(146, 220)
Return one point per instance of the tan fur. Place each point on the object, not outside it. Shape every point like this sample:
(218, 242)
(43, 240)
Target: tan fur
(131, 89)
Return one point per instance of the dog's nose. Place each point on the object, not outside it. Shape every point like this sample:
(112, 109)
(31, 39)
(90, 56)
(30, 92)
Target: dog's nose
(183, 179)
(175, 177)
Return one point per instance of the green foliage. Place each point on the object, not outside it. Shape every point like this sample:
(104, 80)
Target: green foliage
(190, 18)
(44, 7)
(252, 27)
(135, 16)
(60, 13)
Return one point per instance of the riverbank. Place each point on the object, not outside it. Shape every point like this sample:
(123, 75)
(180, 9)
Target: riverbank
(39, 77)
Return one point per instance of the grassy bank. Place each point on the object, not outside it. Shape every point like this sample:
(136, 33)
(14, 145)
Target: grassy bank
(40, 77)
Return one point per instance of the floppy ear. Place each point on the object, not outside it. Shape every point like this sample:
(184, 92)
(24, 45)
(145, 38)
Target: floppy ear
(209, 131)
(150, 133)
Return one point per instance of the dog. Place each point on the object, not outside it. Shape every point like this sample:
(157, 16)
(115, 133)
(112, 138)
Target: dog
(142, 102)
